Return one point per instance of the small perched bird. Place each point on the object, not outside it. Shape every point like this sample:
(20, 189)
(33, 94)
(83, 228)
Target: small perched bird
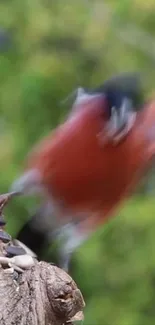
(81, 181)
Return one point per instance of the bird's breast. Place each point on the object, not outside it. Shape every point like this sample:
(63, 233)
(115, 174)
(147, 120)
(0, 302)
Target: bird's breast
(87, 176)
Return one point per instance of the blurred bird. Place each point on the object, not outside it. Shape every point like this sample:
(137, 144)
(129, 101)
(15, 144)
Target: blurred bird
(122, 94)
(80, 177)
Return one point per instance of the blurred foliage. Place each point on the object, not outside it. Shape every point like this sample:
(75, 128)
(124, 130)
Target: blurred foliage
(47, 49)
(115, 268)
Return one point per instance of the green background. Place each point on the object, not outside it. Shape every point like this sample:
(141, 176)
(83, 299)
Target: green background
(47, 49)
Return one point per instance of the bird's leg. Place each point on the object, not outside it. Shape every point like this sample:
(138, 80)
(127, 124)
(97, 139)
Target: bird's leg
(64, 261)
(70, 238)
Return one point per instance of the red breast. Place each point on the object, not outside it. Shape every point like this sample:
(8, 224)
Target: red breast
(86, 176)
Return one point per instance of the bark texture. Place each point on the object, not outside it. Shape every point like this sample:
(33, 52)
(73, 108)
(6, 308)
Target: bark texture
(42, 295)
(32, 292)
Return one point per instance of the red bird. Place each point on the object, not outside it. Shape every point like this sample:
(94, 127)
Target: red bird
(80, 172)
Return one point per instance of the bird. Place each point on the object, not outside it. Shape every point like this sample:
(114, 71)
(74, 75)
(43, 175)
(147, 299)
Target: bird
(80, 179)
(123, 93)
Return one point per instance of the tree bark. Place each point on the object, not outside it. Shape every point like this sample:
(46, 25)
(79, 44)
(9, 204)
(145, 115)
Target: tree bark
(32, 292)
(42, 295)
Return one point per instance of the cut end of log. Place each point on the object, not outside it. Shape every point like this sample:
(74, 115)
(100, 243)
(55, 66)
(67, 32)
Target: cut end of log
(32, 292)
(43, 294)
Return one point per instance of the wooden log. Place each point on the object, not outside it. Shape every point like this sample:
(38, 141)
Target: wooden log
(32, 292)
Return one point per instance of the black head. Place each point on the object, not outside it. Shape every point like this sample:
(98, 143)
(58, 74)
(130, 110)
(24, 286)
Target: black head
(124, 85)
